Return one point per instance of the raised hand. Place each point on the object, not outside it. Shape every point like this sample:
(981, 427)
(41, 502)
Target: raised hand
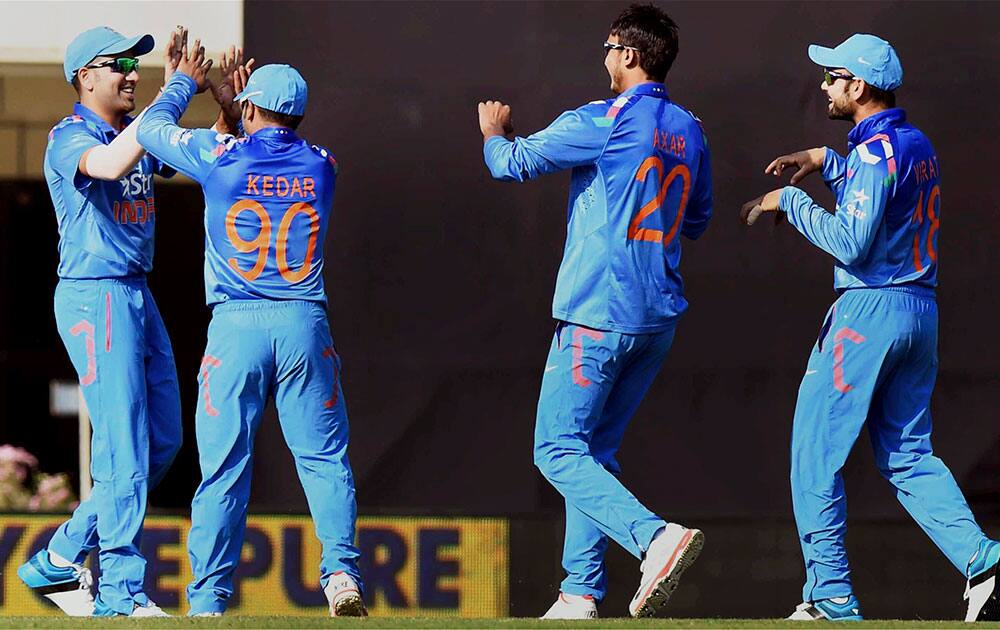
(806, 161)
(242, 75)
(225, 91)
(172, 53)
(195, 65)
(495, 119)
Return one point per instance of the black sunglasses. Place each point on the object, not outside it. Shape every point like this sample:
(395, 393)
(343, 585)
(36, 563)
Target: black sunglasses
(608, 46)
(830, 77)
(121, 65)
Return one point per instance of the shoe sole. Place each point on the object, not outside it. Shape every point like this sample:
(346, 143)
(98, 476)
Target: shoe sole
(661, 592)
(350, 606)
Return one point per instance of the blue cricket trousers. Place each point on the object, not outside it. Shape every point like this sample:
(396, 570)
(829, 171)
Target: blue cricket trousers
(593, 383)
(257, 349)
(875, 361)
(116, 340)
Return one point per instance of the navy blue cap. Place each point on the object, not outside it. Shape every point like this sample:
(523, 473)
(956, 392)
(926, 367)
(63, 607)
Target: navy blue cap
(277, 87)
(868, 57)
(99, 41)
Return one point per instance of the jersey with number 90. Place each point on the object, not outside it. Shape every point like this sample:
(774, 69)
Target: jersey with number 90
(267, 202)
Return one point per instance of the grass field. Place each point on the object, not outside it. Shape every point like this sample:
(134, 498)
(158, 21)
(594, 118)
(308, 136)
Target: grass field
(421, 623)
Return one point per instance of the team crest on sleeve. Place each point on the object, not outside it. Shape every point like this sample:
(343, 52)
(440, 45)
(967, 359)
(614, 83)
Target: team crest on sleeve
(180, 136)
(867, 156)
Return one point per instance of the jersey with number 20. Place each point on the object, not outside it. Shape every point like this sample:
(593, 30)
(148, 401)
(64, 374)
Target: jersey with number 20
(268, 198)
(641, 177)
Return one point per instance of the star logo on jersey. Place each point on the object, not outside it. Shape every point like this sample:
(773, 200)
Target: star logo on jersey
(860, 196)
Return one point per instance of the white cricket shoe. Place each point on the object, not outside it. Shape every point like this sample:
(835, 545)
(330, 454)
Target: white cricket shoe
(572, 607)
(673, 550)
(68, 587)
(344, 596)
(982, 590)
(149, 609)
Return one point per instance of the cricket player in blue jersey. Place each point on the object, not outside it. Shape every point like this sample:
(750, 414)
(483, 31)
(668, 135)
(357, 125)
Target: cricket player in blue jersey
(268, 198)
(640, 179)
(876, 357)
(101, 183)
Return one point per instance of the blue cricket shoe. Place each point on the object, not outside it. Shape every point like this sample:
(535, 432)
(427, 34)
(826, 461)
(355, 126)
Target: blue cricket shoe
(66, 587)
(981, 590)
(833, 609)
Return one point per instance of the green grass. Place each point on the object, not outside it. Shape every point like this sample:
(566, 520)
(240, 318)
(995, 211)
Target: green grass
(409, 622)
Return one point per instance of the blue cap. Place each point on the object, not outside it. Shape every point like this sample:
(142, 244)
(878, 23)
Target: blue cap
(868, 57)
(277, 87)
(101, 41)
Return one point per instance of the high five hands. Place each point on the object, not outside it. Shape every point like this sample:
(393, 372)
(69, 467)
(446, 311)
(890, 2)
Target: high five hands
(195, 65)
(805, 163)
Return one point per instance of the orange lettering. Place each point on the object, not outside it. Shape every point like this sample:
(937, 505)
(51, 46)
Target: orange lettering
(117, 211)
(296, 189)
(128, 212)
(266, 186)
(307, 186)
(140, 209)
(277, 187)
(150, 209)
(252, 184)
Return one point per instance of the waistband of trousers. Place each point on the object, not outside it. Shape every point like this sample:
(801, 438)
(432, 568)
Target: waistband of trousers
(915, 290)
(136, 281)
(263, 305)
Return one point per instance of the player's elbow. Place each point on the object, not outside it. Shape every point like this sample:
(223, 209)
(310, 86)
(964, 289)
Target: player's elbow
(849, 254)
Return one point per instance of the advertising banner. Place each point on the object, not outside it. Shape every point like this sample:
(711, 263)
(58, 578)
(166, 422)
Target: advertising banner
(411, 566)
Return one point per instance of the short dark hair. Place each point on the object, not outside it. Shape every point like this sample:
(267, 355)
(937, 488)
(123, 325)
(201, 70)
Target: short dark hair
(285, 120)
(650, 30)
(885, 97)
(76, 82)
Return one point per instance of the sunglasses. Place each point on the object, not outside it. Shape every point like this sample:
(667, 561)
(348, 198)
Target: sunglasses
(831, 77)
(121, 65)
(608, 46)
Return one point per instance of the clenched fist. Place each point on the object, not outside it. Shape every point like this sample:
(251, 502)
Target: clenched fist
(494, 119)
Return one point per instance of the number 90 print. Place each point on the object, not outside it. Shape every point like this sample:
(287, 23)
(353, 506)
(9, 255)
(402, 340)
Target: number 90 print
(262, 242)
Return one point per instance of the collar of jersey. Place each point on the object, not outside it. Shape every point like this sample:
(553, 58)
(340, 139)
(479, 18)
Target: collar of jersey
(90, 116)
(278, 134)
(647, 89)
(874, 124)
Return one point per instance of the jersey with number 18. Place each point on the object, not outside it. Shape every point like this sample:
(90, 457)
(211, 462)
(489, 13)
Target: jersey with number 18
(268, 198)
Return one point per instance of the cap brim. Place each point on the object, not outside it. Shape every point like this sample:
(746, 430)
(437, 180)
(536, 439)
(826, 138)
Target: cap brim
(826, 57)
(245, 94)
(139, 45)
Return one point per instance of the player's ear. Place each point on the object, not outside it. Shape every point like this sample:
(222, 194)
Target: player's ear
(631, 58)
(84, 80)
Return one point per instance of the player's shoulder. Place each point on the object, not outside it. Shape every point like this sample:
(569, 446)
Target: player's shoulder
(324, 154)
(601, 112)
(71, 126)
(875, 150)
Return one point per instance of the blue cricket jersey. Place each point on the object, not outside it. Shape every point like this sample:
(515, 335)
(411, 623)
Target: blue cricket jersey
(641, 177)
(105, 227)
(267, 201)
(884, 231)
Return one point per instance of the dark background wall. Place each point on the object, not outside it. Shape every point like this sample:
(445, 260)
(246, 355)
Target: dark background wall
(440, 279)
